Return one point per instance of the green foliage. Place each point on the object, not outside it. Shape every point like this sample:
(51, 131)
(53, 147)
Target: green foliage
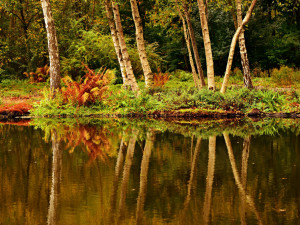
(285, 75)
(97, 50)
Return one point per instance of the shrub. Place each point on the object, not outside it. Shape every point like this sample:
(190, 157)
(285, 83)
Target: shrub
(90, 89)
(285, 75)
(160, 79)
(40, 75)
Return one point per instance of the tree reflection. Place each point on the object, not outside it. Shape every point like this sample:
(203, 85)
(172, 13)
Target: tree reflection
(56, 178)
(210, 178)
(245, 198)
(126, 171)
(144, 175)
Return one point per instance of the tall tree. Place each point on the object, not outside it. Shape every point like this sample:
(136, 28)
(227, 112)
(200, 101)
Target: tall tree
(141, 44)
(194, 43)
(243, 49)
(232, 46)
(52, 48)
(207, 45)
(129, 71)
(113, 31)
(187, 40)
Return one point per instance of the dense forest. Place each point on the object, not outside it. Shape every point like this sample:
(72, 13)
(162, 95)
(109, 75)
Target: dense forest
(151, 39)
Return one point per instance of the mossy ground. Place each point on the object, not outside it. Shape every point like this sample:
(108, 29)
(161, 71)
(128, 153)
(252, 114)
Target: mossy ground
(177, 97)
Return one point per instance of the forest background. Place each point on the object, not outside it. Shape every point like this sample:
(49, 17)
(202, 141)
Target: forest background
(272, 37)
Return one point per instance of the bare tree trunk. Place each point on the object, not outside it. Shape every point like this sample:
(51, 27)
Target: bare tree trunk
(113, 30)
(52, 48)
(232, 46)
(141, 44)
(194, 44)
(56, 177)
(144, 175)
(207, 46)
(129, 71)
(243, 49)
(187, 40)
(209, 179)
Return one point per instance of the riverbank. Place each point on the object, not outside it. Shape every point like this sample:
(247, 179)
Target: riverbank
(175, 99)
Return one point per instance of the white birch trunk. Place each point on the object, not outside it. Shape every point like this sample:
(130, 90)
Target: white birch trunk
(187, 40)
(141, 44)
(232, 46)
(207, 46)
(194, 45)
(129, 71)
(52, 48)
(114, 35)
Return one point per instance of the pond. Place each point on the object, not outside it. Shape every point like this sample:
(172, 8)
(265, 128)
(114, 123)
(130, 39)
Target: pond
(117, 171)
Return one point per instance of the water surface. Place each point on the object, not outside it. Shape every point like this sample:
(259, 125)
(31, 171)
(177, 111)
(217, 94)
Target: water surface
(137, 172)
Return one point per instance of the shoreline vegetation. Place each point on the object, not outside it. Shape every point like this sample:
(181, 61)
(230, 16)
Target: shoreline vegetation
(176, 97)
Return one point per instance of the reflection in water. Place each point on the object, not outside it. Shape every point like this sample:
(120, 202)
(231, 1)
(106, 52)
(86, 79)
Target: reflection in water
(115, 181)
(143, 175)
(56, 178)
(210, 178)
(126, 171)
(237, 179)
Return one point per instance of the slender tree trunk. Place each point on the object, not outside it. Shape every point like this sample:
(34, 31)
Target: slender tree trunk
(207, 46)
(187, 40)
(114, 35)
(194, 44)
(129, 71)
(243, 49)
(144, 175)
(209, 179)
(52, 48)
(232, 46)
(141, 44)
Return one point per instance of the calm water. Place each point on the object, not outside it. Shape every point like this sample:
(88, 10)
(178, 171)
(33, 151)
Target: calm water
(136, 172)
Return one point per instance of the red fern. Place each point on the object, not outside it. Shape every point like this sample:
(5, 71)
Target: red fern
(90, 89)
(160, 79)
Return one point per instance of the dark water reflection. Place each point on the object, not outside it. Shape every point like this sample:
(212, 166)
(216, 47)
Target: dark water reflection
(150, 173)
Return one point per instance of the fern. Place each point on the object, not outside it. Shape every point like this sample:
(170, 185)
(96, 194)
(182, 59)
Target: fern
(88, 90)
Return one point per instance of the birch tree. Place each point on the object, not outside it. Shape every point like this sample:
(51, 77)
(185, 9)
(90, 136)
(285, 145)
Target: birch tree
(52, 48)
(232, 46)
(141, 44)
(114, 35)
(127, 62)
(207, 45)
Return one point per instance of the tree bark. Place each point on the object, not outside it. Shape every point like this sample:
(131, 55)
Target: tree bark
(243, 49)
(52, 48)
(114, 35)
(207, 46)
(141, 44)
(194, 44)
(129, 71)
(187, 40)
(232, 46)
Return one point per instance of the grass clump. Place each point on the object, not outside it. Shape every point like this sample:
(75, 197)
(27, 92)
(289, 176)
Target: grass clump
(285, 75)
